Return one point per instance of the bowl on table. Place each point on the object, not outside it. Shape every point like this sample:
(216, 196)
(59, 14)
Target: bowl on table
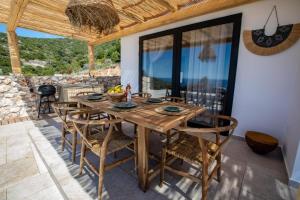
(94, 97)
(125, 105)
(116, 97)
(172, 109)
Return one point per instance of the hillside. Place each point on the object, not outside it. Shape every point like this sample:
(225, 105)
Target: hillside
(49, 56)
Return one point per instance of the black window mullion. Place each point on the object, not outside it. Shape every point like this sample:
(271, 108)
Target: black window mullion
(176, 63)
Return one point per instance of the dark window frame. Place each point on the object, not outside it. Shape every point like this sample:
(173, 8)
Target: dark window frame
(236, 19)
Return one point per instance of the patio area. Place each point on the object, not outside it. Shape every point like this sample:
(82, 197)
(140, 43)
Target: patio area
(36, 168)
(185, 99)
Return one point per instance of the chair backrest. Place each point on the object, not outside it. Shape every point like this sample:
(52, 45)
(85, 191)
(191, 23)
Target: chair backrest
(63, 108)
(83, 123)
(142, 94)
(221, 124)
(173, 99)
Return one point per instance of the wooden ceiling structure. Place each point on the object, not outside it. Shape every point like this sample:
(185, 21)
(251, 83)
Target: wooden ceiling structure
(135, 16)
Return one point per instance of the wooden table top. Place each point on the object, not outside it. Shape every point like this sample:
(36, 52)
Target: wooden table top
(144, 114)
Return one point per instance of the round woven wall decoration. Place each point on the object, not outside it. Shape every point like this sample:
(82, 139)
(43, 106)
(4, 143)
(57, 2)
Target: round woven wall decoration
(285, 36)
(98, 14)
(258, 43)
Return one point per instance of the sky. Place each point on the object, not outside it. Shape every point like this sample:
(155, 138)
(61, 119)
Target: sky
(29, 33)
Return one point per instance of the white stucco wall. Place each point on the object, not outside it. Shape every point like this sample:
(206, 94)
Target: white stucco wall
(267, 90)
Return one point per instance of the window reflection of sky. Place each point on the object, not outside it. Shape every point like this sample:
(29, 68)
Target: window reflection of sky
(158, 64)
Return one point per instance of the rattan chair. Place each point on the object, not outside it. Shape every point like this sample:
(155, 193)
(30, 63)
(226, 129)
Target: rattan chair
(101, 143)
(62, 109)
(98, 115)
(192, 148)
(142, 94)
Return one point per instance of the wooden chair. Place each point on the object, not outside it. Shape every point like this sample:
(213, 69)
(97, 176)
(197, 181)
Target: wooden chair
(62, 109)
(101, 143)
(192, 148)
(142, 94)
(98, 115)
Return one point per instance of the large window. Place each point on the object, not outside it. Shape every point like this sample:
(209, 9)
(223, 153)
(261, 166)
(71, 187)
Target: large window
(197, 62)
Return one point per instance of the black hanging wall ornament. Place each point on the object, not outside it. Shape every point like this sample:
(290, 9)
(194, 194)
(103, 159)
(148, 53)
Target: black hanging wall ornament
(259, 43)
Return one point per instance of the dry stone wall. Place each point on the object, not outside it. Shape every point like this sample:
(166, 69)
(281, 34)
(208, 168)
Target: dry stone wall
(17, 101)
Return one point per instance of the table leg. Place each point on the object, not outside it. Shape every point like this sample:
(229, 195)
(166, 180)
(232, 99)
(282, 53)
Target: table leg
(142, 135)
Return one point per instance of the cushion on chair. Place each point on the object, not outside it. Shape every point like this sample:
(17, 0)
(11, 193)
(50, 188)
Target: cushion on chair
(188, 149)
(261, 143)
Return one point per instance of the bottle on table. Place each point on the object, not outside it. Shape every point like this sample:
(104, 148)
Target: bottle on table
(128, 92)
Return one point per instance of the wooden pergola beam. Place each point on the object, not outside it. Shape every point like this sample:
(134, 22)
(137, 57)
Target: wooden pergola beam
(14, 52)
(182, 14)
(17, 8)
(91, 53)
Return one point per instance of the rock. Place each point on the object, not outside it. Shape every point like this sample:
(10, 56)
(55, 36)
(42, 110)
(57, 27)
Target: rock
(15, 109)
(20, 103)
(14, 90)
(6, 102)
(9, 95)
(22, 93)
(4, 88)
(23, 113)
(7, 81)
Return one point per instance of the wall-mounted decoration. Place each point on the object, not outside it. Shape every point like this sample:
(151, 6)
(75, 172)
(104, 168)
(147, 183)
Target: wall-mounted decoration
(259, 43)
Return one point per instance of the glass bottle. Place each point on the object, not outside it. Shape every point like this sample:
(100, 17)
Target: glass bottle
(128, 92)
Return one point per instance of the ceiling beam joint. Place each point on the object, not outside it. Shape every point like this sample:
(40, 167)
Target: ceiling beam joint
(17, 8)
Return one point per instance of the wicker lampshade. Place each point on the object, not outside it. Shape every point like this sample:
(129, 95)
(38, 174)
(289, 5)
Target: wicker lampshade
(98, 14)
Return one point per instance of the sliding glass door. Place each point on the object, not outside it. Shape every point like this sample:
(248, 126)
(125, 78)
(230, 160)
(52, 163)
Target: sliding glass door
(157, 65)
(197, 62)
(205, 62)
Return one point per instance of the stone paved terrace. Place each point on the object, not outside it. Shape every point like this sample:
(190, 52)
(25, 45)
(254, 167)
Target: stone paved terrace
(32, 166)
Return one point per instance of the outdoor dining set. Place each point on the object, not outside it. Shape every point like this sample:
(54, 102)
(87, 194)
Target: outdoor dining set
(95, 120)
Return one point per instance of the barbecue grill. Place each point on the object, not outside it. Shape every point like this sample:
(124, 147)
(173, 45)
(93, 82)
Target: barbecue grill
(46, 92)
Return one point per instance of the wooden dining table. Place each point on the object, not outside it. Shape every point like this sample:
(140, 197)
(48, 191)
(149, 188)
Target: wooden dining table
(146, 117)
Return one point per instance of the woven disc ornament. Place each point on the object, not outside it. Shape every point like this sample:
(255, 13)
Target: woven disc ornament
(285, 36)
(98, 14)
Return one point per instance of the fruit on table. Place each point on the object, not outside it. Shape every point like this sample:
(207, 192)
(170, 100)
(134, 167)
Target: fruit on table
(116, 89)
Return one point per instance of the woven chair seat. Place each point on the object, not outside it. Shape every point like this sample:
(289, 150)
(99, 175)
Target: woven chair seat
(70, 127)
(117, 142)
(188, 149)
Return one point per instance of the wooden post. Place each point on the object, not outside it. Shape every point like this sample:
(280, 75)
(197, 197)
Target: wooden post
(91, 50)
(14, 52)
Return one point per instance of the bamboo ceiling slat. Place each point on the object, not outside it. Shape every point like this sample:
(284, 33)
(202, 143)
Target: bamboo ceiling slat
(135, 16)
(50, 30)
(55, 28)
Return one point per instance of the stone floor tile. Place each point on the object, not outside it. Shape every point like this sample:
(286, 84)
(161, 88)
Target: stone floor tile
(2, 150)
(245, 175)
(19, 151)
(267, 186)
(250, 196)
(2, 194)
(51, 193)
(40, 164)
(29, 187)
(16, 171)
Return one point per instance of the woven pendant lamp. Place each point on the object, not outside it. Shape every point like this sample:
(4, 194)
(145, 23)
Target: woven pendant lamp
(98, 14)
(207, 54)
